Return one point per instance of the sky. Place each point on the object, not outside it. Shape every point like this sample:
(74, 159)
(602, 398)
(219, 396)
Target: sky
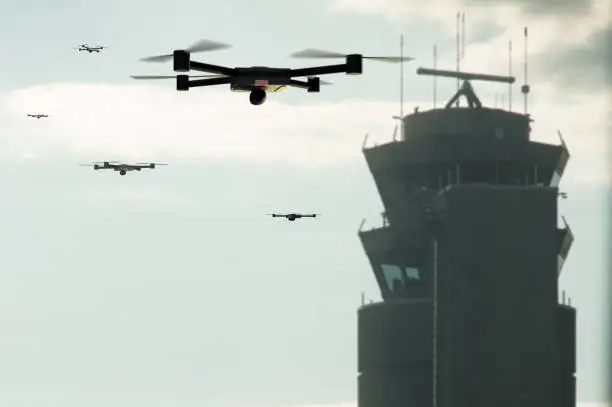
(171, 286)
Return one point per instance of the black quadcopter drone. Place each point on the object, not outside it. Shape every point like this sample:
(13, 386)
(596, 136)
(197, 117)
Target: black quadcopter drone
(258, 80)
(293, 216)
(122, 168)
(89, 49)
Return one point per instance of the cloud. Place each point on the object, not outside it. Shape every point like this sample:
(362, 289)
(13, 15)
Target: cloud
(569, 42)
(504, 12)
(541, 7)
(585, 67)
(149, 123)
(130, 195)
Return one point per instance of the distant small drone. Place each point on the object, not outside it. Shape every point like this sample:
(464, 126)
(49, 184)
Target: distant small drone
(121, 167)
(258, 80)
(38, 116)
(85, 47)
(293, 216)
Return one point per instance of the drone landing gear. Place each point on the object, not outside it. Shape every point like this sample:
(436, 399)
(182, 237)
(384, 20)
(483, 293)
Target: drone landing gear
(122, 172)
(257, 97)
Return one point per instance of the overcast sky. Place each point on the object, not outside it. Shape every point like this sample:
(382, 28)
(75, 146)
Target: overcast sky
(171, 287)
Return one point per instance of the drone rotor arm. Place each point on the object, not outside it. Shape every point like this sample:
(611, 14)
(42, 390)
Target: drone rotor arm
(149, 77)
(318, 70)
(211, 68)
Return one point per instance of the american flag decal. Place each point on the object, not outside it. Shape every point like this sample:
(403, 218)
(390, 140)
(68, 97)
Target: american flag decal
(261, 82)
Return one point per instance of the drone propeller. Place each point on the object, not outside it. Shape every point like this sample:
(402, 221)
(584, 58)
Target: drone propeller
(156, 164)
(322, 82)
(320, 54)
(102, 162)
(173, 76)
(200, 46)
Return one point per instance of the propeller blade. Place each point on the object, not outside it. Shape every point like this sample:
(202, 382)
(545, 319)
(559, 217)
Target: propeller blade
(199, 46)
(172, 76)
(157, 58)
(391, 59)
(325, 83)
(207, 45)
(316, 53)
(321, 54)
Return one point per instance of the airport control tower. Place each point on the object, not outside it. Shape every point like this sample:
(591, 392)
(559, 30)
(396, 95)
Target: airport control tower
(467, 262)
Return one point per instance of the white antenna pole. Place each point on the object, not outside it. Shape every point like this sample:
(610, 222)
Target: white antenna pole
(458, 52)
(510, 74)
(435, 78)
(401, 126)
(525, 88)
(402, 76)
(462, 36)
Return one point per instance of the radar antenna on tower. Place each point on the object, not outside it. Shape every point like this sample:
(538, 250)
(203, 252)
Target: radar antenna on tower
(466, 89)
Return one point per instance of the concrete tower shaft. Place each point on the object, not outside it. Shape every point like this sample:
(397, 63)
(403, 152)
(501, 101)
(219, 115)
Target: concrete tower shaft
(465, 190)
(445, 147)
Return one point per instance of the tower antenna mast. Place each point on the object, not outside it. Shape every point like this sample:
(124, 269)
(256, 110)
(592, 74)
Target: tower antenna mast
(525, 87)
(510, 74)
(462, 37)
(435, 78)
(458, 52)
(401, 77)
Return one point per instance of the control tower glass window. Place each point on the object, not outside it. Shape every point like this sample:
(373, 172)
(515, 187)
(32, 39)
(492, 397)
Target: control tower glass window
(393, 276)
(413, 273)
(397, 278)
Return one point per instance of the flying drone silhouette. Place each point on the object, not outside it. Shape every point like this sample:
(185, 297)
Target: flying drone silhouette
(293, 216)
(90, 49)
(258, 80)
(122, 168)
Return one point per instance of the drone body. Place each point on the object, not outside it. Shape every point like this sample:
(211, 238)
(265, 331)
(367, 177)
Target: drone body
(38, 116)
(90, 49)
(122, 168)
(258, 80)
(293, 216)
